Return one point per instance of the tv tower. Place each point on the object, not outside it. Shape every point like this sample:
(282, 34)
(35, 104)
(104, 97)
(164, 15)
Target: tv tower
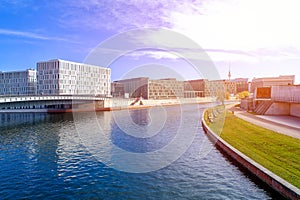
(229, 74)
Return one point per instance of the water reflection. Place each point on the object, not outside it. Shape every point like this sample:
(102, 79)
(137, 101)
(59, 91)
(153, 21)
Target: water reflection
(15, 119)
(140, 117)
(129, 147)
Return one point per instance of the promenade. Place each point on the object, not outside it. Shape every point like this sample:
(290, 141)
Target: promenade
(287, 125)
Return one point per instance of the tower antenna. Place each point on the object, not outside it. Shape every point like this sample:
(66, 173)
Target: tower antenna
(229, 73)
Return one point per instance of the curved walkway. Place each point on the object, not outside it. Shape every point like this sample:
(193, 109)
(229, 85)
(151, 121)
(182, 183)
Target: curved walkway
(287, 125)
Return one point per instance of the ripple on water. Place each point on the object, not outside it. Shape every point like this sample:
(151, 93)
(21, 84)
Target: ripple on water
(45, 159)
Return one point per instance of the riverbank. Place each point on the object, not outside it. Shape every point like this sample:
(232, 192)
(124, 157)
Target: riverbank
(245, 143)
(114, 104)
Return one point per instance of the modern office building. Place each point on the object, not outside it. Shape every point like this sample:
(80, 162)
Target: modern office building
(194, 88)
(134, 87)
(117, 89)
(150, 89)
(214, 88)
(234, 86)
(242, 84)
(237, 85)
(18, 82)
(60, 77)
(271, 81)
(169, 88)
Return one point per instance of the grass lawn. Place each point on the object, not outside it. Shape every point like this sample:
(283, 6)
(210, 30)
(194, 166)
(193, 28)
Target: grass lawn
(277, 152)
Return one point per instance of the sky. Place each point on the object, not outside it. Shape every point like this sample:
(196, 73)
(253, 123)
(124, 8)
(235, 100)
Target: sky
(255, 38)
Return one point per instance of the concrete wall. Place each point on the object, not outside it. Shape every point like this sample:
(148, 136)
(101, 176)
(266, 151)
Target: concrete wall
(158, 102)
(279, 109)
(244, 104)
(295, 110)
(286, 93)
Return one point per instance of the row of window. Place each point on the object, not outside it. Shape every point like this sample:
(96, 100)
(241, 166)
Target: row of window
(15, 75)
(48, 82)
(48, 76)
(21, 80)
(97, 77)
(47, 87)
(12, 89)
(55, 65)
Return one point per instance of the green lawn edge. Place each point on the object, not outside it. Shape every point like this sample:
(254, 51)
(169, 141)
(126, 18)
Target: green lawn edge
(277, 152)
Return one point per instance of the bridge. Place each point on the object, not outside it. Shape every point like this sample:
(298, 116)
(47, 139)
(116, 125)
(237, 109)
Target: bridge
(46, 102)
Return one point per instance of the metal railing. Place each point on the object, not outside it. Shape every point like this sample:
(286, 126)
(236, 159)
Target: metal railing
(7, 99)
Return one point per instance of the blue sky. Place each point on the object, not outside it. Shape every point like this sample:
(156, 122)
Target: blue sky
(256, 38)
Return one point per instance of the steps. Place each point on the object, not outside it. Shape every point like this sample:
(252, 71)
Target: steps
(262, 106)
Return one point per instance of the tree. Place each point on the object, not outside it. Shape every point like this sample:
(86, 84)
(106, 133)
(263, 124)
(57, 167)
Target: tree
(243, 94)
(221, 96)
(227, 95)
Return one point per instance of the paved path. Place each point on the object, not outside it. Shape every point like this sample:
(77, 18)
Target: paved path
(282, 124)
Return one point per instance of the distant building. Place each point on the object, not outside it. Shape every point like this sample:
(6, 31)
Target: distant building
(271, 81)
(135, 87)
(117, 89)
(169, 88)
(241, 85)
(233, 86)
(60, 77)
(214, 87)
(18, 82)
(230, 86)
(194, 88)
(151, 89)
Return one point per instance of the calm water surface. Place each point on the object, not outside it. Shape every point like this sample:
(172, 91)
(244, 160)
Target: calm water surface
(43, 157)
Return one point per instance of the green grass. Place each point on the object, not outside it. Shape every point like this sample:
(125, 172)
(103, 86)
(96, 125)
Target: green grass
(277, 152)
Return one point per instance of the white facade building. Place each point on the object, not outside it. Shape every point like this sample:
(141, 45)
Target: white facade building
(18, 82)
(60, 77)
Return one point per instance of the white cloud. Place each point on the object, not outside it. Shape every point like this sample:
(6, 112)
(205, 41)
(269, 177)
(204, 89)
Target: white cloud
(153, 54)
(242, 25)
(31, 35)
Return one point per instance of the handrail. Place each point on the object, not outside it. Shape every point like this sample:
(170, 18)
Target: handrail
(8, 99)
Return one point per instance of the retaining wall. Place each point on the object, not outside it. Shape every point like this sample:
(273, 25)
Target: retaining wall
(278, 184)
(278, 109)
(295, 109)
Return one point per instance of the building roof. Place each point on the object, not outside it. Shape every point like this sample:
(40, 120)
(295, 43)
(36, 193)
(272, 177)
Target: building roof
(72, 62)
(281, 77)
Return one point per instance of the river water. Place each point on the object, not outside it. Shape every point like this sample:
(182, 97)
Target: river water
(66, 156)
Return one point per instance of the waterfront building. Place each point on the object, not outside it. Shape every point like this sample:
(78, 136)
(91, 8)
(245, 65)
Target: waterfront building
(117, 89)
(168, 88)
(232, 86)
(271, 81)
(18, 82)
(214, 88)
(135, 87)
(60, 77)
(194, 88)
(242, 85)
